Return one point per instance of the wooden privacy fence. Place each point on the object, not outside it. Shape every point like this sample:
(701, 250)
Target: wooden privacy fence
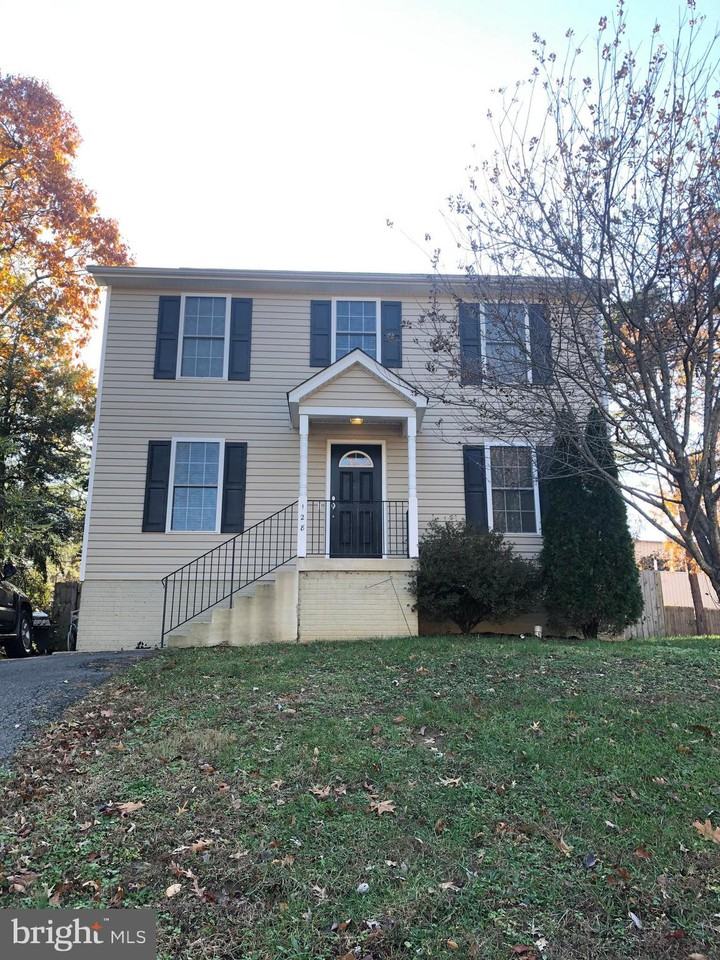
(671, 611)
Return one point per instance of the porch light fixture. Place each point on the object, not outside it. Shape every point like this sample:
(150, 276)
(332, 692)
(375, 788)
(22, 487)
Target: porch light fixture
(356, 421)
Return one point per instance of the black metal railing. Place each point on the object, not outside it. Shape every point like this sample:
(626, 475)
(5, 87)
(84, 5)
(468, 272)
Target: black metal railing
(219, 573)
(387, 537)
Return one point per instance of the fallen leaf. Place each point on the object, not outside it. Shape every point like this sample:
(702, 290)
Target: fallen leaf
(400, 719)
(524, 950)
(560, 844)
(636, 921)
(132, 806)
(440, 826)
(453, 945)
(19, 882)
(708, 831)
(382, 806)
(173, 889)
(449, 885)
(376, 730)
(322, 792)
(642, 854)
(450, 781)
(200, 845)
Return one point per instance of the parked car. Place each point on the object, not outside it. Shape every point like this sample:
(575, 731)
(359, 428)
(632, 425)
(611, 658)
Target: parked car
(16, 616)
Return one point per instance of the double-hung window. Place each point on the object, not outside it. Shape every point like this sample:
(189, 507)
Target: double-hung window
(195, 485)
(513, 489)
(356, 325)
(506, 342)
(501, 488)
(204, 337)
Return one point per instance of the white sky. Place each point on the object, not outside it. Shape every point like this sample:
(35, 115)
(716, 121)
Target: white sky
(284, 134)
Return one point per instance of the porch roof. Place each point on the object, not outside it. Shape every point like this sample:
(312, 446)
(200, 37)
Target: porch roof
(399, 399)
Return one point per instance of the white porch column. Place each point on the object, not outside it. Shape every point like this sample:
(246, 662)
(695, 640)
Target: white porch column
(302, 491)
(412, 487)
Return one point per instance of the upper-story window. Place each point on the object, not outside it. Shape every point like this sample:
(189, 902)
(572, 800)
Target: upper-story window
(505, 343)
(204, 337)
(356, 325)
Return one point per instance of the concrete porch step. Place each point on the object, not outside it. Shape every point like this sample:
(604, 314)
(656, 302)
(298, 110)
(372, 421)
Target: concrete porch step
(265, 614)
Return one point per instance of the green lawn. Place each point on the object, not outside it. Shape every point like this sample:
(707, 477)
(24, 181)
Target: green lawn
(493, 794)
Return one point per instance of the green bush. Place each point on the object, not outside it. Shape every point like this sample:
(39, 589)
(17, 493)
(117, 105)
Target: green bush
(465, 575)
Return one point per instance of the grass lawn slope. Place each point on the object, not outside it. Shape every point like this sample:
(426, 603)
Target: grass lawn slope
(413, 798)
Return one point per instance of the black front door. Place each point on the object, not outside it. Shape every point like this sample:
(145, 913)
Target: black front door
(356, 500)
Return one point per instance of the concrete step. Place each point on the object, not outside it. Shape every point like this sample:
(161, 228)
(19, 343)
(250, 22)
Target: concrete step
(267, 614)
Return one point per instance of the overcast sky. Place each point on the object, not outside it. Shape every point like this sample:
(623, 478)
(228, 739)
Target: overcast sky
(285, 134)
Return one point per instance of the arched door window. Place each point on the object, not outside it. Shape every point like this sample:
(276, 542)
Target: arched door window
(356, 458)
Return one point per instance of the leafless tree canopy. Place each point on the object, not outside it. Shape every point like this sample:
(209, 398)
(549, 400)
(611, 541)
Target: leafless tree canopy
(603, 192)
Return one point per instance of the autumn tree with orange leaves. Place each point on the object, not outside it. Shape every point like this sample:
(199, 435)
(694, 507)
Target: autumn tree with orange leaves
(50, 229)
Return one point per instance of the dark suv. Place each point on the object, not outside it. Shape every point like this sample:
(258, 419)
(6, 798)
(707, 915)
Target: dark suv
(16, 617)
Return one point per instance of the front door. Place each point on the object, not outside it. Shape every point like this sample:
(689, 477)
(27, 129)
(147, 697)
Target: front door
(356, 500)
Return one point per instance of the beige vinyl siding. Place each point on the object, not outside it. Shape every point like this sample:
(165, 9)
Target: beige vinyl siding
(136, 408)
(356, 386)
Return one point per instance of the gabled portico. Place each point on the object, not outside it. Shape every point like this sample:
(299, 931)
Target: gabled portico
(358, 399)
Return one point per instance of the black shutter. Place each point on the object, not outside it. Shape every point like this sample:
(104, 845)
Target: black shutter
(470, 353)
(544, 460)
(476, 511)
(240, 336)
(320, 320)
(166, 340)
(540, 346)
(157, 479)
(391, 328)
(233, 497)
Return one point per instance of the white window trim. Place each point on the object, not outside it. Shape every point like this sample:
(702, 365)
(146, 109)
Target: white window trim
(483, 338)
(536, 486)
(181, 335)
(378, 324)
(171, 484)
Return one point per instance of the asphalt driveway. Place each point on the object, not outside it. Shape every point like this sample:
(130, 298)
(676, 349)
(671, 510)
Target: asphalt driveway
(36, 690)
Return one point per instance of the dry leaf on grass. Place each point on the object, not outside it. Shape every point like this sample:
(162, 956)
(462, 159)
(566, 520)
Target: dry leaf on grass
(173, 889)
(125, 809)
(382, 806)
(19, 882)
(560, 844)
(708, 831)
(322, 792)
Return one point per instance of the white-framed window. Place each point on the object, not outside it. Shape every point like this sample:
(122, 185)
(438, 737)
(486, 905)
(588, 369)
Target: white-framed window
(505, 339)
(512, 488)
(195, 495)
(356, 323)
(204, 337)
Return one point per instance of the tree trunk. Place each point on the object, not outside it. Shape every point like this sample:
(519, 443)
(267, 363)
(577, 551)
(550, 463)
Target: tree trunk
(700, 620)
